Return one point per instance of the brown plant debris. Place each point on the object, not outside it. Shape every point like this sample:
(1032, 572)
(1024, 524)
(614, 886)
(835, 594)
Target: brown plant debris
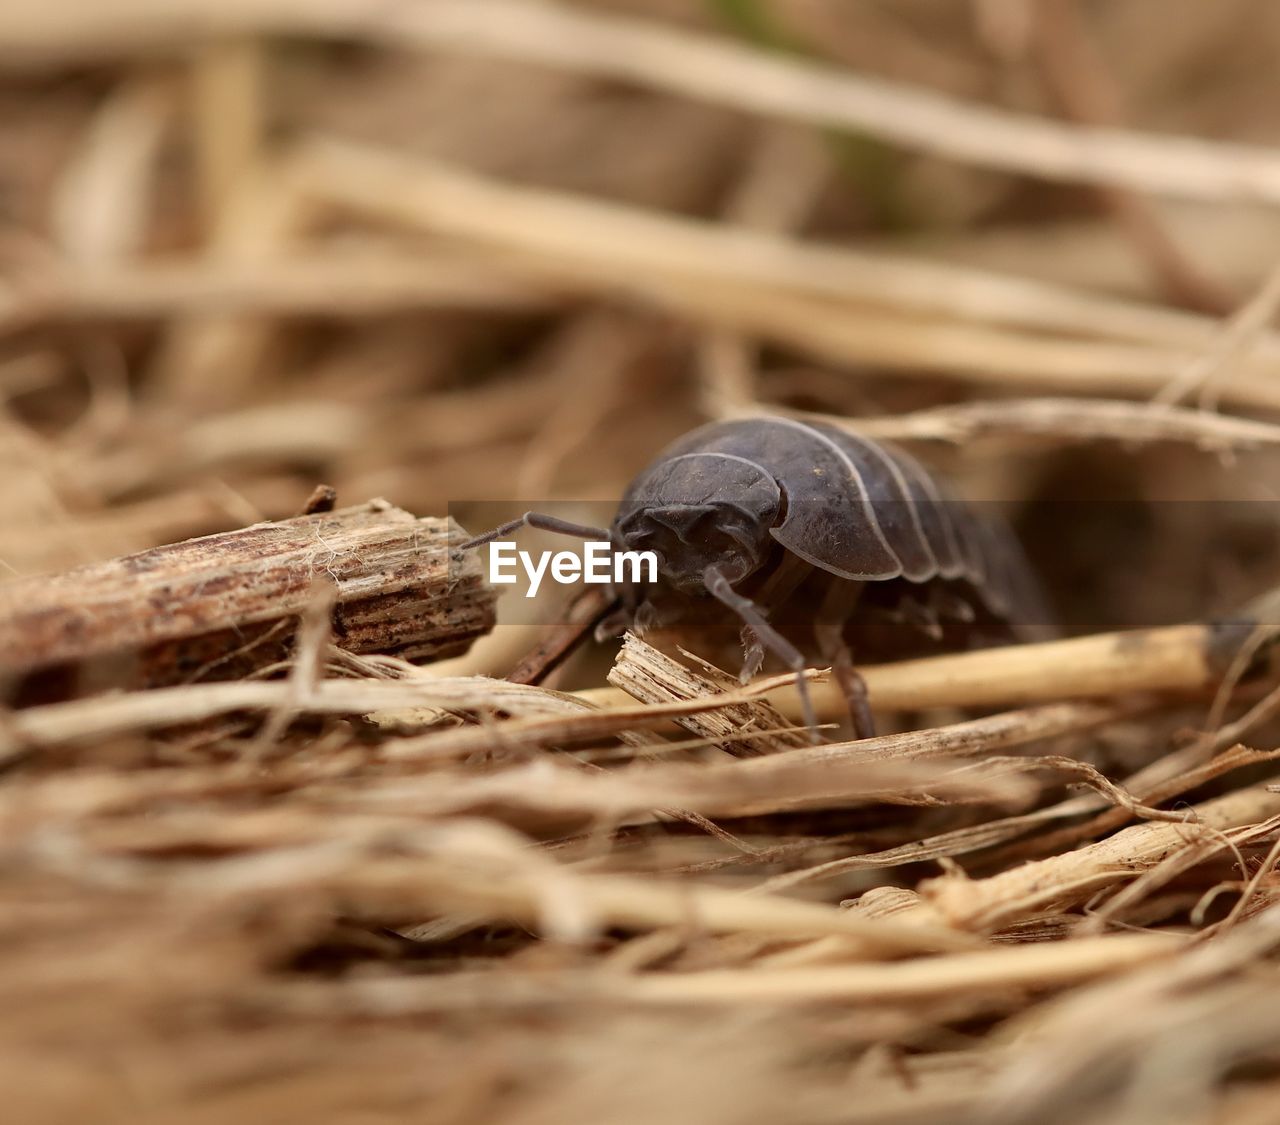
(302, 821)
(223, 606)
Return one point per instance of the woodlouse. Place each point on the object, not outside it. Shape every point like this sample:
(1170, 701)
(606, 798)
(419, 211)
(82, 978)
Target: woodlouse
(804, 526)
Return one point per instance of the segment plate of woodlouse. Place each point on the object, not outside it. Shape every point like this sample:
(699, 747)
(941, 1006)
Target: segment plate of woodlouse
(891, 503)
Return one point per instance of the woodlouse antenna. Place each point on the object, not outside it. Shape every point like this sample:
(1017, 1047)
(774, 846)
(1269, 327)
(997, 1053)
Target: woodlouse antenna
(544, 523)
(620, 615)
(718, 587)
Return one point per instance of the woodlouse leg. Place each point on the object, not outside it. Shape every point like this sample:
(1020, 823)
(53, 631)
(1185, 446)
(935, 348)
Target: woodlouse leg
(944, 603)
(789, 573)
(921, 616)
(614, 624)
(828, 630)
(753, 658)
(718, 587)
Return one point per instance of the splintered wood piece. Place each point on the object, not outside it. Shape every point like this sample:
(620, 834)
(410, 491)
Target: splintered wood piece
(651, 676)
(227, 605)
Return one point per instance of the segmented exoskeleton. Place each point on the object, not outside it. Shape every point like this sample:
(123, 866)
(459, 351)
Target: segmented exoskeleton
(763, 513)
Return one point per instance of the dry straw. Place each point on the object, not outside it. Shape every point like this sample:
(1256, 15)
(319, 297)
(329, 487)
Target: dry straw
(274, 847)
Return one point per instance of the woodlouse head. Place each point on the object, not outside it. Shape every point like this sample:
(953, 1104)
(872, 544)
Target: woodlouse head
(701, 510)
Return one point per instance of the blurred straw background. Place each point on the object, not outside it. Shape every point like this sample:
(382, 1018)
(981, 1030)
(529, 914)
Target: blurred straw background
(454, 251)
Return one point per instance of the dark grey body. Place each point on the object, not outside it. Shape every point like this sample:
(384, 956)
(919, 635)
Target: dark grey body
(810, 540)
(743, 495)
